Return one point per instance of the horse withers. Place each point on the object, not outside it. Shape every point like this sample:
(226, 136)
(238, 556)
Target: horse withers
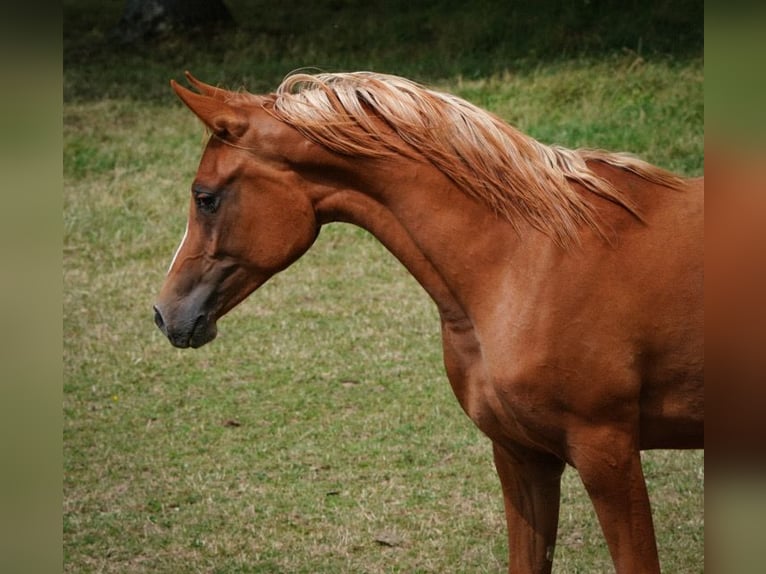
(569, 282)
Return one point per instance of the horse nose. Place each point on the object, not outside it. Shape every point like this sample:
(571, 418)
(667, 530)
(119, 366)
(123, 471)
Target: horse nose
(158, 320)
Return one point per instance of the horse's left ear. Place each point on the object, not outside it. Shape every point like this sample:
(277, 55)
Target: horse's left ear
(206, 89)
(224, 119)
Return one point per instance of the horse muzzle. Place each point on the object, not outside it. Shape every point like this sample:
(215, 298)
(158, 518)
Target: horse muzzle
(185, 329)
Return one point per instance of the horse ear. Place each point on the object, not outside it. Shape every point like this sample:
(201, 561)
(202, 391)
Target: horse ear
(224, 119)
(206, 89)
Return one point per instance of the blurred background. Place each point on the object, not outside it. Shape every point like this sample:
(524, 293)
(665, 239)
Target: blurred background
(129, 48)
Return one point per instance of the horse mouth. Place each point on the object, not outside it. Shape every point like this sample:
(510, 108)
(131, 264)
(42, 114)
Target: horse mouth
(201, 332)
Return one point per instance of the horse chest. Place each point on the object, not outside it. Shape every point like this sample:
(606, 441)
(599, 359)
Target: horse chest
(504, 410)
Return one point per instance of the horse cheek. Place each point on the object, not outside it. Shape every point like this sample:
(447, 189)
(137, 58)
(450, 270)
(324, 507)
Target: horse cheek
(283, 237)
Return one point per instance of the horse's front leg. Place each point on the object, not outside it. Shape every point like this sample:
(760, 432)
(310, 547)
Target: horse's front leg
(609, 462)
(531, 490)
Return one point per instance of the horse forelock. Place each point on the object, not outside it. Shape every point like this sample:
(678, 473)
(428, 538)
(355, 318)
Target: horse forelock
(517, 176)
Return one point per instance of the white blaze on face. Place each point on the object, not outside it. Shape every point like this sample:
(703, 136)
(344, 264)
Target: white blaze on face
(180, 245)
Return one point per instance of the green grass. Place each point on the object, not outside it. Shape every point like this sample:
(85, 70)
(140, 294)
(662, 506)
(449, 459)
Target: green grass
(318, 433)
(428, 40)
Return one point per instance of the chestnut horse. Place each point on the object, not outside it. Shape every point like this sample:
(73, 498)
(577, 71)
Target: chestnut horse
(569, 283)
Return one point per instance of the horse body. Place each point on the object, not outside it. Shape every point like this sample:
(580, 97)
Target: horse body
(584, 357)
(581, 354)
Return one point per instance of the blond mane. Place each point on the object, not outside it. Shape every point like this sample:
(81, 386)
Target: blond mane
(517, 176)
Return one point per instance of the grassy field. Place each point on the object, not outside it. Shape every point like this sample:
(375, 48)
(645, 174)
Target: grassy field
(318, 433)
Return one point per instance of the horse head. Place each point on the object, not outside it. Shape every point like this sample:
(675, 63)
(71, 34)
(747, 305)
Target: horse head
(248, 216)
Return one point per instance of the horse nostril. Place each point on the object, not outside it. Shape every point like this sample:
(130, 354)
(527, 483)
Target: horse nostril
(158, 320)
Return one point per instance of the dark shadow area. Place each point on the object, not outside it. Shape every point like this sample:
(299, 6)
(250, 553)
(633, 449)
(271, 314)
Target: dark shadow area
(425, 40)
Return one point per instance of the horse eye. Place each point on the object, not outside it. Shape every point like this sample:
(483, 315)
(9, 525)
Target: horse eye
(206, 202)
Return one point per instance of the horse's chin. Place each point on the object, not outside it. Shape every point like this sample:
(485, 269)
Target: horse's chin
(202, 333)
(197, 341)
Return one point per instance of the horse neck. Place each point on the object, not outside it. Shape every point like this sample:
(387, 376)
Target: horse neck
(446, 240)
